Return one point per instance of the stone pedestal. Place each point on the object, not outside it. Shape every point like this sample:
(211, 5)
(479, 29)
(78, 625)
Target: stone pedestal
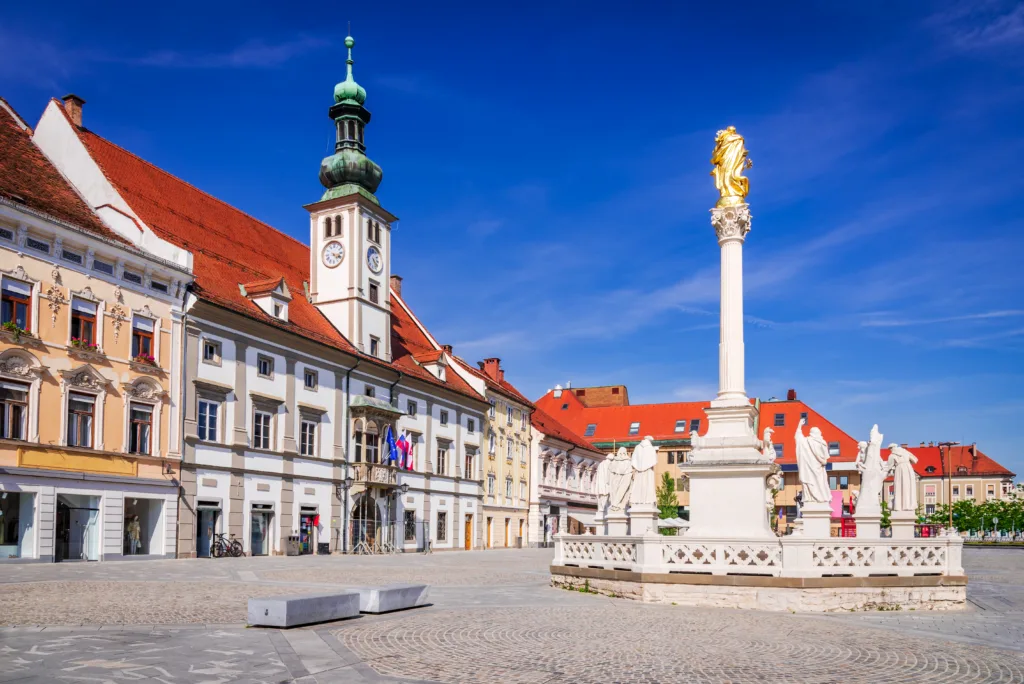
(817, 519)
(903, 524)
(643, 520)
(869, 525)
(727, 497)
(617, 523)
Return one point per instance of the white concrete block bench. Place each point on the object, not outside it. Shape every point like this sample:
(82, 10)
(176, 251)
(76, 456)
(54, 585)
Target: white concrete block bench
(392, 597)
(292, 611)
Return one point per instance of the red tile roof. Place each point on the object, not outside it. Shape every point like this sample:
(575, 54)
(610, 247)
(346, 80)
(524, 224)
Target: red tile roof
(791, 410)
(501, 386)
(429, 356)
(543, 422)
(261, 287)
(230, 247)
(29, 179)
(971, 458)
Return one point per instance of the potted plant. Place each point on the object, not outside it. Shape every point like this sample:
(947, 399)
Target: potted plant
(83, 344)
(15, 330)
(145, 359)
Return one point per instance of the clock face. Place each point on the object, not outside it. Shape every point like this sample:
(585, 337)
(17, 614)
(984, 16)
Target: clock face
(333, 254)
(374, 260)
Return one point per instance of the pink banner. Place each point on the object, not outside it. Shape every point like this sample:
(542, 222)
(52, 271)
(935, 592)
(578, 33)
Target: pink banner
(837, 503)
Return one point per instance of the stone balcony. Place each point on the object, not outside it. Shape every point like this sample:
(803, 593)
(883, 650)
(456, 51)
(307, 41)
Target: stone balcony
(375, 474)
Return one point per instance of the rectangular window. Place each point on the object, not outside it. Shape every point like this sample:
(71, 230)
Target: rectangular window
(307, 438)
(142, 339)
(358, 454)
(522, 420)
(370, 391)
(264, 366)
(470, 425)
(508, 451)
(780, 420)
(103, 266)
(261, 429)
(929, 509)
(969, 491)
(83, 322)
(37, 245)
(956, 492)
(803, 416)
(833, 482)
(695, 425)
(374, 293)
(132, 277)
(591, 429)
(991, 491)
(410, 407)
(681, 425)
(409, 523)
(442, 526)
(17, 303)
(778, 450)
(13, 411)
(522, 491)
(73, 257)
(490, 483)
(508, 411)
(6, 234)
(929, 490)
(159, 286)
(374, 347)
(211, 351)
(634, 428)
(469, 472)
(833, 448)
(372, 448)
(310, 379)
(81, 409)
(671, 458)
(444, 417)
(278, 310)
(442, 461)
(208, 414)
(508, 487)
(491, 414)
(141, 429)
(844, 482)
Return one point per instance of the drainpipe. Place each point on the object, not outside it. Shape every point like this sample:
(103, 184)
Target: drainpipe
(181, 425)
(348, 427)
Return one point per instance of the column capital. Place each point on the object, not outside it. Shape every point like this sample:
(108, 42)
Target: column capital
(731, 223)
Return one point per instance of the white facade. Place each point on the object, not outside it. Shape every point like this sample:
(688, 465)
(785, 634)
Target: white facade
(563, 485)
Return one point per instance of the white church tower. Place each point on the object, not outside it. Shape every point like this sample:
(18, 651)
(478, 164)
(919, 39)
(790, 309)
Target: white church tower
(350, 233)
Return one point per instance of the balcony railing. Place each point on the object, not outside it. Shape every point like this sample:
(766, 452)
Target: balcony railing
(375, 474)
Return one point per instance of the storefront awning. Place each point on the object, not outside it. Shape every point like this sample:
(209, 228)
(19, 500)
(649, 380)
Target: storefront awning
(584, 518)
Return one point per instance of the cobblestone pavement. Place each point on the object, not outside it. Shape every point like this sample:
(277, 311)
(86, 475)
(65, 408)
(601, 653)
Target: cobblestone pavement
(493, 619)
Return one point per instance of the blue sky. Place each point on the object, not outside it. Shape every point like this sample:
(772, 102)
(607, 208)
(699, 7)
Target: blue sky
(549, 163)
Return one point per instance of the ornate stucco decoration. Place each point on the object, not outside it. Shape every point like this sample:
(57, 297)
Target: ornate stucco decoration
(117, 316)
(84, 377)
(19, 365)
(144, 389)
(731, 222)
(55, 273)
(56, 300)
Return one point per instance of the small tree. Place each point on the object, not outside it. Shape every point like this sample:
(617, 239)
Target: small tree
(667, 500)
(885, 522)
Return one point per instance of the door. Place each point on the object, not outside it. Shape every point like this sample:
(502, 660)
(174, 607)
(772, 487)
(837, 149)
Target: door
(489, 525)
(306, 541)
(77, 530)
(260, 532)
(204, 537)
(469, 532)
(507, 525)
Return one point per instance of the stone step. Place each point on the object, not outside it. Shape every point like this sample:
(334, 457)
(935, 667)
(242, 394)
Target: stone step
(292, 611)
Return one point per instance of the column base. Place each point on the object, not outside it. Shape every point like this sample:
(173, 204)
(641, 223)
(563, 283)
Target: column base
(643, 520)
(617, 523)
(903, 524)
(817, 519)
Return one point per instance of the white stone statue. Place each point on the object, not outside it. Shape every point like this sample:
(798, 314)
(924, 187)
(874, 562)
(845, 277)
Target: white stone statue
(767, 448)
(772, 484)
(603, 486)
(645, 457)
(694, 440)
(904, 487)
(620, 477)
(873, 471)
(811, 457)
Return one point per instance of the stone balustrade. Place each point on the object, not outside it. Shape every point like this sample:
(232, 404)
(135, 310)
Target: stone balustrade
(791, 556)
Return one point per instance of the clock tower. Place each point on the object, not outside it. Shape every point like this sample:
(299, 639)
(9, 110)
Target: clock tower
(350, 233)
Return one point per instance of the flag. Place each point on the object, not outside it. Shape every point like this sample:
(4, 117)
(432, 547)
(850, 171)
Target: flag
(403, 448)
(389, 439)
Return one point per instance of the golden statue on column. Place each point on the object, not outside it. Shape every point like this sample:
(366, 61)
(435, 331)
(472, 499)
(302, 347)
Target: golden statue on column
(730, 160)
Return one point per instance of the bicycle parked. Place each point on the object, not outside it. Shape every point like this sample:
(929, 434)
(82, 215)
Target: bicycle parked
(222, 546)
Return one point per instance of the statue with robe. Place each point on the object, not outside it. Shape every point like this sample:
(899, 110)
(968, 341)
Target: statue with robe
(645, 457)
(620, 477)
(873, 471)
(811, 457)
(904, 486)
(767, 448)
(730, 160)
(603, 486)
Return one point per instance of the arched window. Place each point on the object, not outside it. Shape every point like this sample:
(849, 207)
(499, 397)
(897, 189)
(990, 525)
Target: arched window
(327, 227)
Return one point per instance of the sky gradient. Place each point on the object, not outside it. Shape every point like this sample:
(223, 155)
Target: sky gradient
(549, 163)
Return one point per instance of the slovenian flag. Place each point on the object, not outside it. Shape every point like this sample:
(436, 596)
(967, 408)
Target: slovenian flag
(389, 439)
(406, 449)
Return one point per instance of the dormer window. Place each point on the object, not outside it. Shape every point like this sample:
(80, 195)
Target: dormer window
(272, 296)
(374, 347)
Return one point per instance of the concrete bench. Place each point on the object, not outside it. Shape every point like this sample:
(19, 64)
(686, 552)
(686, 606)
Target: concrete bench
(292, 611)
(391, 597)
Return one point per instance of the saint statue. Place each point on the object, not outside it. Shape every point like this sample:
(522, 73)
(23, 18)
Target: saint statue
(645, 457)
(873, 471)
(904, 486)
(603, 486)
(620, 477)
(811, 457)
(767, 448)
(730, 159)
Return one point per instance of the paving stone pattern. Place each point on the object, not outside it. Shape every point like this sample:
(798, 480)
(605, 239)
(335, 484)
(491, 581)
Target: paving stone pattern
(493, 619)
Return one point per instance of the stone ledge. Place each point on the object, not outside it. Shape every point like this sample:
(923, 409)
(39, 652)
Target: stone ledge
(759, 580)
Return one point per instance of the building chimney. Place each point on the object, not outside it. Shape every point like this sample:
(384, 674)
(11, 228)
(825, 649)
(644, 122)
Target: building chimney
(931, 444)
(501, 375)
(791, 395)
(447, 348)
(568, 384)
(396, 284)
(73, 106)
(558, 391)
(492, 366)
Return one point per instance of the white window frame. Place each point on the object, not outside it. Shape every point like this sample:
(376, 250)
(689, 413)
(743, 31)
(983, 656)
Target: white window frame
(217, 419)
(257, 411)
(313, 426)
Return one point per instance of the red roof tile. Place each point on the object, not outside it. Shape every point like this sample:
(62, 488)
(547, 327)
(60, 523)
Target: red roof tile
(963, 461)
(503, 386)
(29, 179)
(790, 411)
(543, 422)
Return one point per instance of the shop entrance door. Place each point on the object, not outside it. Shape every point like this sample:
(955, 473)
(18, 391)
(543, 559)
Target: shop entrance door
(469, 532)
(259, 533)
(207, 528)
(307, 529)
(78, 536)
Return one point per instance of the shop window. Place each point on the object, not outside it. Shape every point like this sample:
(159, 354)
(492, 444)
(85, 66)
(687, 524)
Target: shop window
(442, 526)
(13, 412)
(83, 322)
(141, 520)
(142, 339)
(17, 304)
(307, 438)
(17, 533)
(261, 429)
(81, 411)
(208, 414)
(141, 429)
